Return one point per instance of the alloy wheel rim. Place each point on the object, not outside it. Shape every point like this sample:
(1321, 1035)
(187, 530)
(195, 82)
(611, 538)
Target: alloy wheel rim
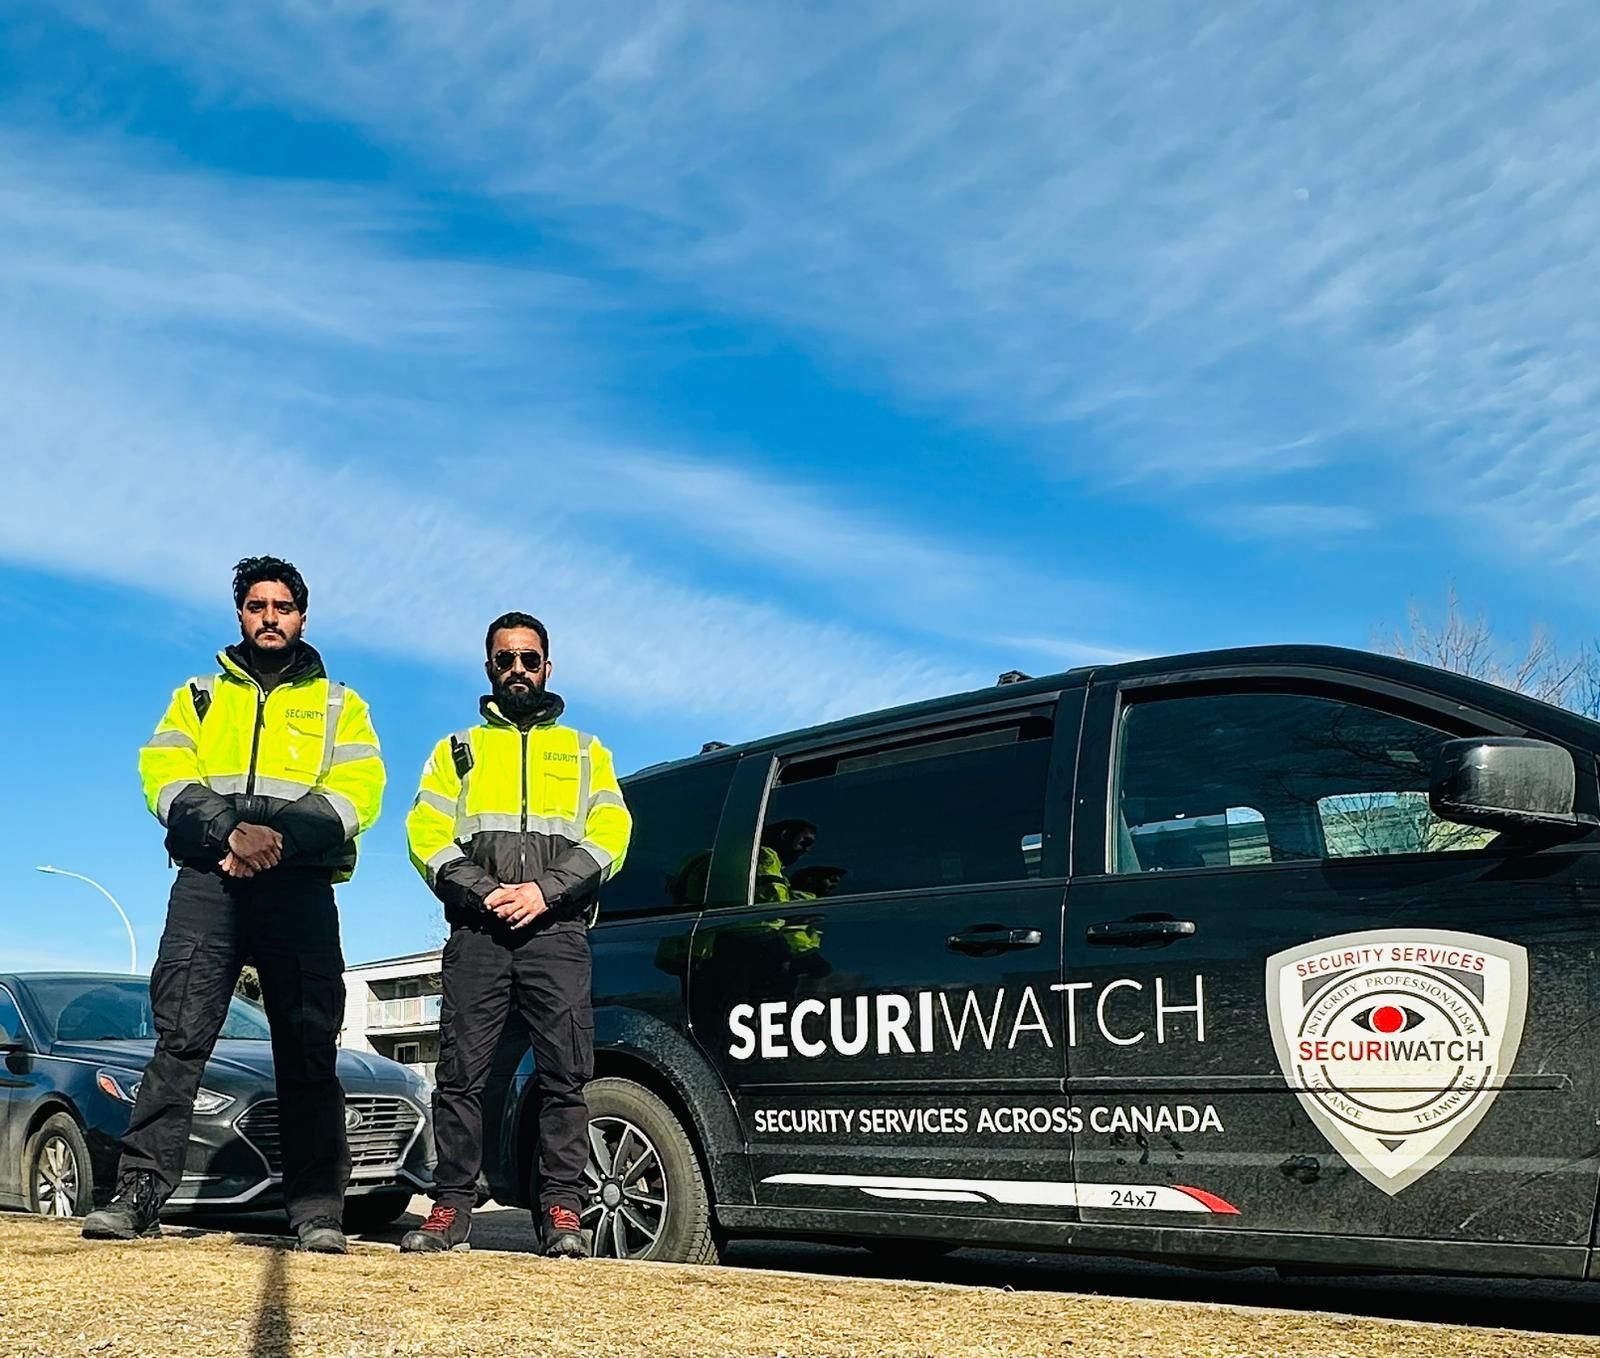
(627, 1205)
(56, 1189)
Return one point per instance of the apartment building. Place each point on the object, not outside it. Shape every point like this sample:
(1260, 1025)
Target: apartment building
(391, 1007)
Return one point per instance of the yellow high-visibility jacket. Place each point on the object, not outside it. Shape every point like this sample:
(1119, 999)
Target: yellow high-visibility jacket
(302, 758)
(500, 804)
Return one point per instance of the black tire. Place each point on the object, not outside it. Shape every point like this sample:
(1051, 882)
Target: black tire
(374, 1211)
(56, 1173)
(660, 1165)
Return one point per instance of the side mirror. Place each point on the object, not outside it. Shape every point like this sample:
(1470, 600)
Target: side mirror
(1506, 783)
(8, 1045)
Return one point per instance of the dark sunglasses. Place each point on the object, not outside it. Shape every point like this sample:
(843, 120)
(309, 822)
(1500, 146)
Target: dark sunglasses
(504, 660)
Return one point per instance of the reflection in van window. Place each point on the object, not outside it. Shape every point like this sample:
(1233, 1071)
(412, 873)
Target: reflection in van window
(1238, 835)
(950, 811)
(669, 855)
(1359, 823)
(1234, 779)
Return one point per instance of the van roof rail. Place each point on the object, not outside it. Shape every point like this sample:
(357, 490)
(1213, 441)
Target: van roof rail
(1013, 677)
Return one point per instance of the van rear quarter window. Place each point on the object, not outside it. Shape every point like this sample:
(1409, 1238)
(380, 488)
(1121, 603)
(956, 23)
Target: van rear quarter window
(675, 818)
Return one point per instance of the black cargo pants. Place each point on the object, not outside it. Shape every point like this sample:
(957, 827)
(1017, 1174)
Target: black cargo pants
(286, 923)
(547, 970)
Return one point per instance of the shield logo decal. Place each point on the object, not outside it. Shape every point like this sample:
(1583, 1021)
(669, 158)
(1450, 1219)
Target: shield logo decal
(1397, 1041)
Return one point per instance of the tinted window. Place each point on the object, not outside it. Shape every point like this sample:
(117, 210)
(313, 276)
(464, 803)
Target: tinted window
(84, 1010)
(246, 1021)
(1236, 779)
(674, 823)
(11, 1028)
(949, 811)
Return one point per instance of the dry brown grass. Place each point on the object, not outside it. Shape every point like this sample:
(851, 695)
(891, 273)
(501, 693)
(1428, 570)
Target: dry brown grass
(214, 1296)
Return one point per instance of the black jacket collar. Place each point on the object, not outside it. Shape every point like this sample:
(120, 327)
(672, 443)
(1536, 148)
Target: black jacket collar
(548, 711)
(305, 663)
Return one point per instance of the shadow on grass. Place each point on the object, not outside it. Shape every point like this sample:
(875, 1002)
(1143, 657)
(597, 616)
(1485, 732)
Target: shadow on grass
(272, 1337)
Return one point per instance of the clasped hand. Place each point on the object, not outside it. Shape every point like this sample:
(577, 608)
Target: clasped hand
(252, 849)
(517, 904)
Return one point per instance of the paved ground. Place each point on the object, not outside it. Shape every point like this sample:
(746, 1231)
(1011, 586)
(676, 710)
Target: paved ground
(1571, 1308)
(196, 1293)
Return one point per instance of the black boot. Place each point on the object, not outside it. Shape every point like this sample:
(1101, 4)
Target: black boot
(563, 1237)
(447, 1228)
(132, 1212)
(322, 1235)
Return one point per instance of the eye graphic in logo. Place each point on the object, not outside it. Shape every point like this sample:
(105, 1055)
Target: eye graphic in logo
(1387, 1019)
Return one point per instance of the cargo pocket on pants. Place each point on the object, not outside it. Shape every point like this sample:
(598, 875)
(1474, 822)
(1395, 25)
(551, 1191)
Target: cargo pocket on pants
(581, 1037)
(169, 989)
(320, 1018)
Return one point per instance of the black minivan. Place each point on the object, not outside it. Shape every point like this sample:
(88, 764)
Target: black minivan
(1287, 954)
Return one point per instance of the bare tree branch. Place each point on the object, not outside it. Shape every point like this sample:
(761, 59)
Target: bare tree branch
(1467, 645)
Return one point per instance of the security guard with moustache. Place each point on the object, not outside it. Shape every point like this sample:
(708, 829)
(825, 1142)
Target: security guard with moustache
(263, 774)
(518, 822)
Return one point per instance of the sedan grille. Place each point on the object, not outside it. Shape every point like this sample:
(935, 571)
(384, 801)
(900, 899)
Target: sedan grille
(382, 1131)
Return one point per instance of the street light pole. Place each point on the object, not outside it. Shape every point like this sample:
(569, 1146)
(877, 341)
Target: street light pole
(133, 943)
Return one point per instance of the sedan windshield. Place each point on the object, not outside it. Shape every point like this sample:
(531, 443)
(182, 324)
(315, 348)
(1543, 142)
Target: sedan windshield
(107, 1010)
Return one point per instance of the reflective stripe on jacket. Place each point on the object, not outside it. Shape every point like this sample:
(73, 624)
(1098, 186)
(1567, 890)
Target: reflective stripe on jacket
(302, 758)
(537, 805)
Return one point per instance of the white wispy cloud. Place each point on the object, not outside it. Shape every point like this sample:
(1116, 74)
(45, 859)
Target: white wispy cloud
(1306, 525)
(855, 558)
(200, 384)
(1237, 243)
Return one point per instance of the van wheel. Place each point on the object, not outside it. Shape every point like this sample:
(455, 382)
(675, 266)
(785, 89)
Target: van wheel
(56, 1169)
(647, 1196)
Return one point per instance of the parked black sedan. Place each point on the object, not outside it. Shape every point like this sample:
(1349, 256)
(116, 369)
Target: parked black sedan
(73, 1047)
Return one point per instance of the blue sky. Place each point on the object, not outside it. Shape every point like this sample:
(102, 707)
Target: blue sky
(788, 360)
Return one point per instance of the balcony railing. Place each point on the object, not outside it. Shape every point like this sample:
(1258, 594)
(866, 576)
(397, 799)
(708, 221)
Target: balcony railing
(414, 1011)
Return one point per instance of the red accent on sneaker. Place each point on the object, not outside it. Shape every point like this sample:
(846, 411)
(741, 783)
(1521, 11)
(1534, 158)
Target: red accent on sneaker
(440, 1219)
(562, 1219)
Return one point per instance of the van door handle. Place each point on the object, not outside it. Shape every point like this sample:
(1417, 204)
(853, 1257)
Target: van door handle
(1140, 931)
(990, 939)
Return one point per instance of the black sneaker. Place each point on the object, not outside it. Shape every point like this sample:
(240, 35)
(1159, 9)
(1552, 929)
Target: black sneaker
(563, 1234)
(322, 1235)
(132, 1213)
(447, 1228)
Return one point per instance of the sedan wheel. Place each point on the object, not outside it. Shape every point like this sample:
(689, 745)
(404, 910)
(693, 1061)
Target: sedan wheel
(57, 1188)
(56, 1169)
(627, 1190)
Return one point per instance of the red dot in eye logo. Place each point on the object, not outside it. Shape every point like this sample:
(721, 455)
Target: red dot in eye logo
(1387, 1019)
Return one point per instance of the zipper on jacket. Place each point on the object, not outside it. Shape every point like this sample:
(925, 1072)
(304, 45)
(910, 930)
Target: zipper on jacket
(522, 839)
(255, 739)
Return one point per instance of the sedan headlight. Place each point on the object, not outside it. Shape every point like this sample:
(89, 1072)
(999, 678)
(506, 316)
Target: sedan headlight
(208, 1102)
(124, 1087)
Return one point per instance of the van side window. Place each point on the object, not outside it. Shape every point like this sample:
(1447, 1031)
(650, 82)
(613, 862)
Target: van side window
(675, 818)
(10, 1019)
(943, 811)
(1229, 780)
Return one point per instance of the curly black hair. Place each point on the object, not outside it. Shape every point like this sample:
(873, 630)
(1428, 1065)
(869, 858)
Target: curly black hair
(515, 620)
(254, 569)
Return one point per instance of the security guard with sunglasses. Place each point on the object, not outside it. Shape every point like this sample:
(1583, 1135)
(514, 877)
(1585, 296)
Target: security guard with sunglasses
(517, 823)
(263, 773)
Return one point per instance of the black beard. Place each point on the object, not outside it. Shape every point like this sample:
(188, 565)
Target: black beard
(269, 660)
(518, 704)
